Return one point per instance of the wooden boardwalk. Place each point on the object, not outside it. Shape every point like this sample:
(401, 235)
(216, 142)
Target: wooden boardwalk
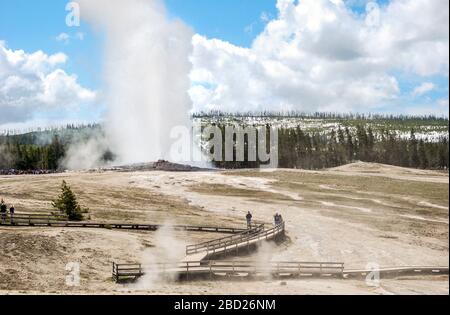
(196, 264)
(223, 270)
(227, 270)
(393, 272)
(234, 244)
(50, 220)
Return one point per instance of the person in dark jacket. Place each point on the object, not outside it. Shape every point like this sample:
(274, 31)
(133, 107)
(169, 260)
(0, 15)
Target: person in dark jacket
(276, 218)
(12, 210)
(3, 210)
(249, 219)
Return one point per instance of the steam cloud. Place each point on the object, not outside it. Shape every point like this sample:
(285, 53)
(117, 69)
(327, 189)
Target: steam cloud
(169, 250)
(146, 72)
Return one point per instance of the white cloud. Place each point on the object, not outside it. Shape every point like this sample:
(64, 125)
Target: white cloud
(424, 88)
(320, 55)
(31, 83)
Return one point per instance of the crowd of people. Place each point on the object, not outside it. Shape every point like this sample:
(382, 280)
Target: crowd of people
(4, 212)
(11, 172)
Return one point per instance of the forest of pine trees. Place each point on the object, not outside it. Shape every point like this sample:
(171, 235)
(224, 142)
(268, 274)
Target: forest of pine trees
(19, 156)
(42, 150)
(298, 149)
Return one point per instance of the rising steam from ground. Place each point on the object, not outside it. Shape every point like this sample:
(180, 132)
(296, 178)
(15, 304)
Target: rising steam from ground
(146, 73)
(6, 159)
(86, 151)
(169, 250)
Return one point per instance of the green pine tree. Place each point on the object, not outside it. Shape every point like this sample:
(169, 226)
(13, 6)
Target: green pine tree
(67, 203)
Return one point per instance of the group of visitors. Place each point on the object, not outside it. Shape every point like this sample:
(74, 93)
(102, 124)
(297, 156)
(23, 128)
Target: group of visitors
(13, 172)
(4, 212)
(278, 219)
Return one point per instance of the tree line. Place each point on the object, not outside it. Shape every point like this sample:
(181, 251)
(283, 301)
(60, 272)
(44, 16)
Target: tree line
(297, 149)
(43, 150)
(216, 114)
(315, 150)
(25, 156)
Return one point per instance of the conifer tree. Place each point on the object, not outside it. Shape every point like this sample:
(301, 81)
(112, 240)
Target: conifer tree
(67, 203)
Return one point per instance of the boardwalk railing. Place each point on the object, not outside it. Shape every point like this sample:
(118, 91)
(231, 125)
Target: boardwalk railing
(32, 219)
(221, 242)
(398, 271)
(247, 242)
(121, 271)
(189, 270)
(236, 241)
(51, 220)
(228, 269)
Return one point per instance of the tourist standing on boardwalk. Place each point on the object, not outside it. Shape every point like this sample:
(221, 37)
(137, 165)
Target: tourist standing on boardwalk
(11, 213)
(3, 210)
(249, 220)
(276, 219)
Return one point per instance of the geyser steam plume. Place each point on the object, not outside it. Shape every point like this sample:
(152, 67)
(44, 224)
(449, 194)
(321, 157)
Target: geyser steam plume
(146, 74)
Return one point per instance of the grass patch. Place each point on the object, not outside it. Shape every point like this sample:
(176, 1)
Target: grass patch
(230, 191)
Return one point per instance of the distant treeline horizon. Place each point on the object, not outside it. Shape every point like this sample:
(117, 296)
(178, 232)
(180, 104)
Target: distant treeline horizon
(317, 115)
(299, 149)
(49, 129)
(45, 149)
(255, 114)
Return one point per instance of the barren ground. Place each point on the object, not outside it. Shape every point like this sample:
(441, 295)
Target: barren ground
(358, 214)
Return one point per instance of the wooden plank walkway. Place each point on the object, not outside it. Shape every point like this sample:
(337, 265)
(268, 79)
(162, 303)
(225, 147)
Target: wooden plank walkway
(398, 272)
(222, 270)
(245, 241)
(48, 220)
(228, 269)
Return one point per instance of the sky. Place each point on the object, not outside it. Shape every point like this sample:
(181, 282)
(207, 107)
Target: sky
(389, 56)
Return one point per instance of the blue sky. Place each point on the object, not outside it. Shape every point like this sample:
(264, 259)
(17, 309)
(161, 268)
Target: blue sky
(34, 25)
(228, 20)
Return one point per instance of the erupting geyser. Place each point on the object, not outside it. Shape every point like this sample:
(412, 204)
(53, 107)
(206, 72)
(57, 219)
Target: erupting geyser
(146, 71)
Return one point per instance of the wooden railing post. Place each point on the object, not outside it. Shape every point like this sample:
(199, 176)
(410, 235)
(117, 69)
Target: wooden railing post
(114, 271)
(210, 270)
(188, 265)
